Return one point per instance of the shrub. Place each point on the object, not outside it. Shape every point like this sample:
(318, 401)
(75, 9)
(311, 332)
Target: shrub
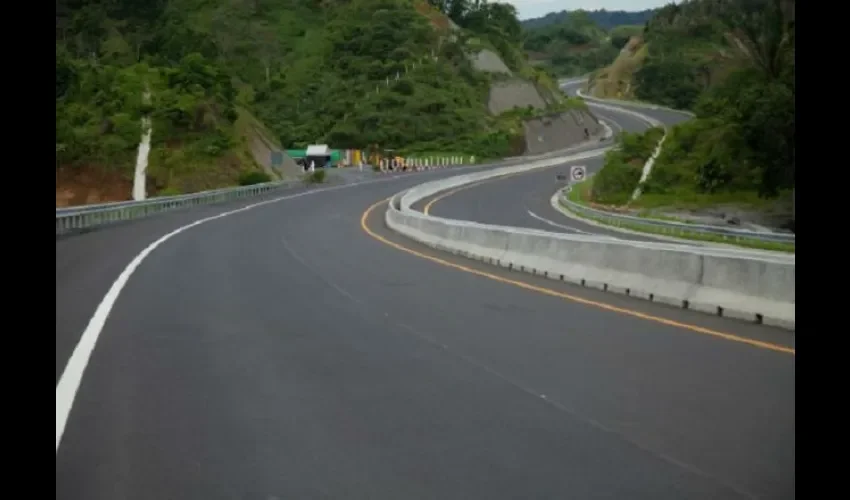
(253, 177)
(614, 184)
(315, 177)
(619, 177)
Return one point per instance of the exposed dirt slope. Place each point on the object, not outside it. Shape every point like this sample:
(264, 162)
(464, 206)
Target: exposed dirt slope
(552, 133)
(615, 81)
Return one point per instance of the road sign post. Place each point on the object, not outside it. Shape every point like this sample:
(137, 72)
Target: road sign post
(577, 173)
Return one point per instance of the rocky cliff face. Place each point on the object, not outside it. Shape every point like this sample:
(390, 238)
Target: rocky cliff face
(516, 92)
(542, 135)
(560, 131)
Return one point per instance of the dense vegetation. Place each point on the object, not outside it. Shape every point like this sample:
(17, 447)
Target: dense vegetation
(117, 61)
(690, 49)
(733, 63)
(574, 43)
(377, 72)
(391, 73)
(605, 19)
(614, 184)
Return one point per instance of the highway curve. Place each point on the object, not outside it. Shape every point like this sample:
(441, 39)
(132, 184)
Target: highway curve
(524, 200)
(297, 350)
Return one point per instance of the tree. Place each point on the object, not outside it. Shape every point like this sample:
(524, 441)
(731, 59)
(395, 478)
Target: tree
(621, 35)
(667, 81)
(763, 31)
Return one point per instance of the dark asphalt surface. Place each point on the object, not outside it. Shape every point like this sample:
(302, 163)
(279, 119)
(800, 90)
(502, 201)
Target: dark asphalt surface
(520, 201)
(284, 353)
(524, 200)
(667, 117)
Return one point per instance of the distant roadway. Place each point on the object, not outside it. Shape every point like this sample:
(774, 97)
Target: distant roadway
(524, 200)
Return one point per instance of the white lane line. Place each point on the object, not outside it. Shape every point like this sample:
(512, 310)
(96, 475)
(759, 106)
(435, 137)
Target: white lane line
(72, 375)
(606, 115)
(626, 112)
(613, 122)
(69, 382)
(555, 224)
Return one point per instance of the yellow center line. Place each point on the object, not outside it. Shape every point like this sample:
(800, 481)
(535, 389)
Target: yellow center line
(554, 293)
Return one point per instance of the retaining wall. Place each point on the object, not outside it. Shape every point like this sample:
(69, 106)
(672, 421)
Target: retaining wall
(560, 131)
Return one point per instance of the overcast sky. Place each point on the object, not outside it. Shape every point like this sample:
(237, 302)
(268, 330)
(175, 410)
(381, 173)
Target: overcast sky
(538, 8)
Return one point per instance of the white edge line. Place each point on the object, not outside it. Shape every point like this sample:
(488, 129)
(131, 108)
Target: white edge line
(555, 224)
(72, 375)
(684, 242)
(555, 203)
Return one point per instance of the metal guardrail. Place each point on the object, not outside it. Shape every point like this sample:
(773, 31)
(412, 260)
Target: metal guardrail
(667, 227)
(71, 219)
(673, 228)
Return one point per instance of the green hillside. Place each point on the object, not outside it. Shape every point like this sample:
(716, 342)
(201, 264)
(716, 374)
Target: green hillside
(733, 63)
(573, 44)
(683, 50)
(391, 73)
(605, 19)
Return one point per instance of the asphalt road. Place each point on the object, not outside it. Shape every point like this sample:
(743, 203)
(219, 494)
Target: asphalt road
(524, 200)
(283, 352)
(667, 117)
(519, 201)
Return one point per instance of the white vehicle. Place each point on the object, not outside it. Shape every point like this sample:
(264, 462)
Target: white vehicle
(318, 155)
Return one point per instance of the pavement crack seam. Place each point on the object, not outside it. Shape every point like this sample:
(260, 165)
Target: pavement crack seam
(562, 408)
(318, 273)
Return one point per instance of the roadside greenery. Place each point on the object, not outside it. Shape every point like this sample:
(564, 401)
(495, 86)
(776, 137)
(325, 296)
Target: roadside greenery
(251, 178)
(623, 166)
(576, 43)
(740, 148)
(582, 193)
(572, 46)
(384, 74)
(317, 176)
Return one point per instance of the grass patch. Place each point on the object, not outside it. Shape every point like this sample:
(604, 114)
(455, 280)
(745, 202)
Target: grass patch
(686, 200)
(254, 177)
(481, 43)
(569, 103)
(580, 193)
(646, 214)
(317, 176)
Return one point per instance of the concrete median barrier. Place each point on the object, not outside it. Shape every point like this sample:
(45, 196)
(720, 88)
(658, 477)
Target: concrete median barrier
(424, 190)
(743, 284)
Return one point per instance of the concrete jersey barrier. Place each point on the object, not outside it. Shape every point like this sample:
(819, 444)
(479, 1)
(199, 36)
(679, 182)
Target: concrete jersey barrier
(750, 285)
(427, 189)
